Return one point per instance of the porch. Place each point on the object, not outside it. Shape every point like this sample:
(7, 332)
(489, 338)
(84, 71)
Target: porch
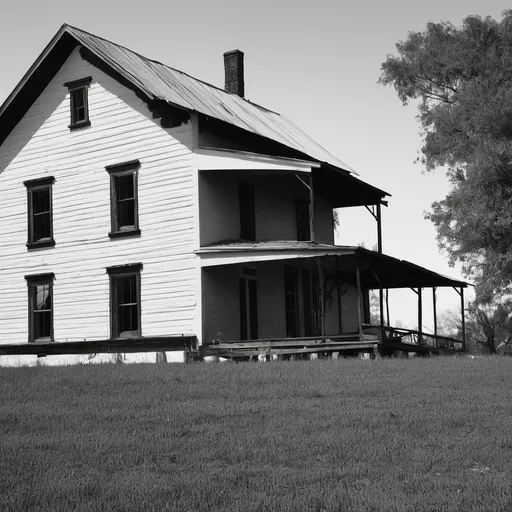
(297, 299)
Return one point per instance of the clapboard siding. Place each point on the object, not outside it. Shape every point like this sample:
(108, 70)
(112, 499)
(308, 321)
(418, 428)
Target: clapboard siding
(122, 129)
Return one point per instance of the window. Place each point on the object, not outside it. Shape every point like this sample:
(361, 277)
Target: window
(79, 102)
(125, 301)
(40, 307)
(247, 218)
(124, 208)
(302, 217)
(39, 208)
(248, 305)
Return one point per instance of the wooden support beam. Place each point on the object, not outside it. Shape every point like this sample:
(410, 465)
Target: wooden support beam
(321, 293)
(420, 316)
(311, 210)
(387, 306)
(338, 289)
(463, 315)
(381, 311)
(379, 228)
(359, 299)
(434, 302)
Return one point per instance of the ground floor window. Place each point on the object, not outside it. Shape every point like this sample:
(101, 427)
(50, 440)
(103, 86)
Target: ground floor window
(248, 305)
(40, 307)
(125, 303)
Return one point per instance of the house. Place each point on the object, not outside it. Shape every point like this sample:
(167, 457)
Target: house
(144, 211)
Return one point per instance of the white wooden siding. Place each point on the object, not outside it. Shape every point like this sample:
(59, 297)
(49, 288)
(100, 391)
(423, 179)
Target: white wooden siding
(122, 129)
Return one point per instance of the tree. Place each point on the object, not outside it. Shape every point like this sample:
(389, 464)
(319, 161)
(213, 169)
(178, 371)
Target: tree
(485, 325)
(462, 78)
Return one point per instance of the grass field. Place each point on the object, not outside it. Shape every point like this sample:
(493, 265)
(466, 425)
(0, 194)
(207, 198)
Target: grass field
(388, 435)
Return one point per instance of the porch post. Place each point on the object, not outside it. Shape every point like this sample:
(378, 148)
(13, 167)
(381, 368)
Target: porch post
(387, 305)
(339, 294)
(381, 308)
(379, 228)
(463, 316)
(359, 307)
(434, 302)
(321, 298)
(420, 317)
(311, 209)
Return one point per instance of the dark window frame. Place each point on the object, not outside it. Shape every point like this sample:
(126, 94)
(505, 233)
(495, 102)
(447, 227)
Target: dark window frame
(79, 86)
(247, 211)
(115, 171)
(115, 274)
(34, 186)
(32, 282)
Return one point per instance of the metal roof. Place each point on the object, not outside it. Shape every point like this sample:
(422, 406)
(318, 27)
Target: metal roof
(376, 268)
(161, 82)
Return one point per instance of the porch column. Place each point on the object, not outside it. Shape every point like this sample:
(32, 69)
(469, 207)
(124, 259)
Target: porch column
(359, 305)
(463, 315)
(387, 306)
(338, 289)
(434, 302)
(420, 317)
(311, 210)
(321, 292)
(379, 228)
(381, 310)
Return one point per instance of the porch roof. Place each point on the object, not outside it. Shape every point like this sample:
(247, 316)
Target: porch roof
(375, 269)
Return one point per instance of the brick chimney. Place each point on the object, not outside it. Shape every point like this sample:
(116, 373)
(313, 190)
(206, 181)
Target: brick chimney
(234, 72)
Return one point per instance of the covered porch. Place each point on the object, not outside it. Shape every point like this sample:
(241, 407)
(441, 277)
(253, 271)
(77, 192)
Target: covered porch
(287, 299)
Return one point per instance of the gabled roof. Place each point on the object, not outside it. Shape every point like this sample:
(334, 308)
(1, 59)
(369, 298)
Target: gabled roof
(159, 82)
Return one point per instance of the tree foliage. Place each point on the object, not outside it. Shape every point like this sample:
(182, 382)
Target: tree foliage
(485, 325)
(462, 79)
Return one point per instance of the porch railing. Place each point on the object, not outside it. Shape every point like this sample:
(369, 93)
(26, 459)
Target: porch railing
(413, 337)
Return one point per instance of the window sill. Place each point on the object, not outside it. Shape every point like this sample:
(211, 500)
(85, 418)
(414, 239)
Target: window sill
(40, 243)
(41, 341)
(77, 126)
(122, 234)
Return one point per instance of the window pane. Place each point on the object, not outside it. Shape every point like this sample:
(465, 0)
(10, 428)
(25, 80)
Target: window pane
(128, 320)
(43, 299)
(41, 226)
(42, 324)
(78, 105)
(124, 187)
(126, 213)
(41, 200)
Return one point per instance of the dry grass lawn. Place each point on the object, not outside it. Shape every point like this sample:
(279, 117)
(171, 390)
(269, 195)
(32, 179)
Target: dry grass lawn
(389, 435)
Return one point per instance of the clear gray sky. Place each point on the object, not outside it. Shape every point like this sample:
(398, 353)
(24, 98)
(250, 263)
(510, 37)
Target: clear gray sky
(315, 62)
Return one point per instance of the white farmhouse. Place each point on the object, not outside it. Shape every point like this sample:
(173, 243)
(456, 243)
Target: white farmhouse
(146, 211)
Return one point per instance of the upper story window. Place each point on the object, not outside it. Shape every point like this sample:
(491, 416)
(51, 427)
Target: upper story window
(302, 217)
(247, 214)
(79, 102)
(125, 310)
(40, 307)
(40, 215)
(124, 207)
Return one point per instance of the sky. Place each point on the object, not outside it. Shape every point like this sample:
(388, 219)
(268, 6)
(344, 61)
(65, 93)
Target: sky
(315, 62)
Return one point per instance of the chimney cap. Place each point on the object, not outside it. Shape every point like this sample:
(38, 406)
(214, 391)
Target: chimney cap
(233, 51)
